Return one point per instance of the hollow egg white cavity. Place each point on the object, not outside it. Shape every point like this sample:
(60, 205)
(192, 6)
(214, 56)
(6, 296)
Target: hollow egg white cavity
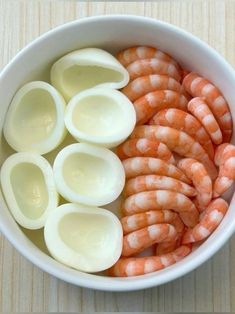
(86, 68)
(88, 174)
(35, 119)
(102, 116)
(83, 237)
(28, 186)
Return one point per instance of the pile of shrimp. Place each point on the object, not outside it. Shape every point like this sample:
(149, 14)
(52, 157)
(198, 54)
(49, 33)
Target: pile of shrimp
(178, 162)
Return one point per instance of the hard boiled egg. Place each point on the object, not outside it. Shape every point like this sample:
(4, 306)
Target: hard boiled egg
(102, 116)
(88, 174)
(29, 189)
(86, 68)
(35, 119)
(83, 237)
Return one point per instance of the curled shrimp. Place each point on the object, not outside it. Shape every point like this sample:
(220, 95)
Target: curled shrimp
(144, 147)
(160, 200)
(198, 86)
(149, 83)
(169, 246)
(135, 266)
(147, 105)
(141, 239)
(155, 182)
(226, 175)
(177, 141)
(138, 166)
(199, 108)
(214, 213)
(219, 152)
(144, 67)
(142, 220)
(127, 56)
(187, 123)
(201, 180)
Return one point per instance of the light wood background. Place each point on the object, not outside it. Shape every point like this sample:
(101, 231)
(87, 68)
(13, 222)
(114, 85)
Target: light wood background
(25, 288)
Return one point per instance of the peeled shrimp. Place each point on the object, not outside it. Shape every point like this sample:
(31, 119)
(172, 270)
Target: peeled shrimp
(153, 66)
(127, 56)
(136, 266)
(209, 222)
(187, 123)
(141, 239)
(155, 182)
(200, 87)
(177, 141)
(160, 200)
(146, 148)
(149, 83)
(137, 166)
(169, 246)
(219, 152)
(199, 108)
(201, 180)
(226, 175)
(142, 220)
(153, 102)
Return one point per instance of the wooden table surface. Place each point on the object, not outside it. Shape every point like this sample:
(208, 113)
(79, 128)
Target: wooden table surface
(24, 287)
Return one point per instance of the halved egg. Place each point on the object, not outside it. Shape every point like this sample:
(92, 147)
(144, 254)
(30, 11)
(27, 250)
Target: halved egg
(86, 68)
(29, 189)
(83, 237)
(102, 116)
(88, 174)
(35, 119)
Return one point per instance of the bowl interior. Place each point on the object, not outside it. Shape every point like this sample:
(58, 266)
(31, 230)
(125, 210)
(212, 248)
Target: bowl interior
(112, 33)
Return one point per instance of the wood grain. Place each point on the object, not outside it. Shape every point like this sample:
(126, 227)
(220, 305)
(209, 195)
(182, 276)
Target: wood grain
(25, 288)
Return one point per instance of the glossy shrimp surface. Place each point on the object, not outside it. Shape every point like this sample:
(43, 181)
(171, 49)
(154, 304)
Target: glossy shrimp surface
(138, 166)
(177, 141)
(199, 108)
(129, 55)
(183, 121)
(160, 200)
(149, 104)
(149, 83)
(155, 182)
(198, 86)
(141, 239)
(141, 220)
(201, 180)
(144, 67)
(209, 222)
(144, 147)
(136, 266)
(226, 175)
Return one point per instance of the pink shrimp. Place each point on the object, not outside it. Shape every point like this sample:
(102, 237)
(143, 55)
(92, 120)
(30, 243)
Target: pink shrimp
(141, 239)
(150, 83)
(127, 56)
(199, 108)
(169, 246)
(177, 141)
(144, 147)
(219, 152)
(201, 180)
(187, 123)
(142, 220)
(137, 166)
(153, 102)
(214, 213)
(135, 266)
(160, 200)
(155, 182)
(200, 87)
(144, 67)
(226, 175)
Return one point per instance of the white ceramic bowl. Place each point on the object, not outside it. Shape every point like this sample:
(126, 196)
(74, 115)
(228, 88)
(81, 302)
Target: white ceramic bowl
(114, 33)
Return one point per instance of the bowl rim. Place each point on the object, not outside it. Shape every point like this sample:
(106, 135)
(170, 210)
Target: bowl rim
(116, 284)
